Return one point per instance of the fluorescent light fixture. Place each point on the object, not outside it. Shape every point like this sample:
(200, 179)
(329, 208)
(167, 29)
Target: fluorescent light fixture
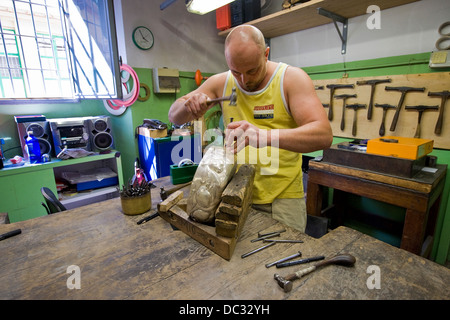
(205, 6)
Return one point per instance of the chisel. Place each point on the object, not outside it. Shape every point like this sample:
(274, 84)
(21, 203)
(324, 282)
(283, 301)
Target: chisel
(10, 234)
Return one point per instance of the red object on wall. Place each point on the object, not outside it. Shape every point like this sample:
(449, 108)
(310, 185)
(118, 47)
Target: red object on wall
(223, 17)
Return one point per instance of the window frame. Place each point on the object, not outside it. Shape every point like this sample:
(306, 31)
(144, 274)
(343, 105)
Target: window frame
(77, 93)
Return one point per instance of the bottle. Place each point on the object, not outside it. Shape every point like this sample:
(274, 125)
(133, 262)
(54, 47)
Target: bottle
(33, 148)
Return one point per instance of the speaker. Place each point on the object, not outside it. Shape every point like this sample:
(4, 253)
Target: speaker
(100, 133)
(41, 130)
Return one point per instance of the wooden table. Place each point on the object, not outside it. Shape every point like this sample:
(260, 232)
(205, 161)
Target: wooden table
(420, 195)
(119, 259)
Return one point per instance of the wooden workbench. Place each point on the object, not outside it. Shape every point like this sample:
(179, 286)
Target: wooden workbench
(420, 195)
(119, 259)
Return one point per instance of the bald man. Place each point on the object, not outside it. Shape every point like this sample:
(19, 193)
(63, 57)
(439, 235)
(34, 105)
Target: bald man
(278, 114)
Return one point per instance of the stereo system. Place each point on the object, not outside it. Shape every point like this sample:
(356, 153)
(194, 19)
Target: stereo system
(93, 133)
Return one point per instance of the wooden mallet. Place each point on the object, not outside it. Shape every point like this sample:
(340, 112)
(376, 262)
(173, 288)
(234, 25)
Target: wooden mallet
(285, 283)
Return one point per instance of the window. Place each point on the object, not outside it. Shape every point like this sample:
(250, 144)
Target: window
(58, 49)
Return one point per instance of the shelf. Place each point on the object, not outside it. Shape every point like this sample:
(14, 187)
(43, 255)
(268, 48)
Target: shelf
(304, 16)
(87, 197)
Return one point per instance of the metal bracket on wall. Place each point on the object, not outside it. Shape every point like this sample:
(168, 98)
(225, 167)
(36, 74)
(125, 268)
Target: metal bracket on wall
(335, 17)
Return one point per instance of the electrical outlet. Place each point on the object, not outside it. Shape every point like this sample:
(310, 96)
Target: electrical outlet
(440, 59)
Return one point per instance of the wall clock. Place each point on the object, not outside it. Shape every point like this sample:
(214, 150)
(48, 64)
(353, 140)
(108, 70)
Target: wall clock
(143, 38)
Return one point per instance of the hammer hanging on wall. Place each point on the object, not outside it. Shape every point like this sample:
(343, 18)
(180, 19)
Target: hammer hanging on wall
(371, 83)
(404, 91)
(383, 120)
(355, 107)
(444, 94)
(332, 88)
(420, 109)
(344, 97)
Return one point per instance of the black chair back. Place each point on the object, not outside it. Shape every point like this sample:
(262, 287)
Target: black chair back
(53, 204)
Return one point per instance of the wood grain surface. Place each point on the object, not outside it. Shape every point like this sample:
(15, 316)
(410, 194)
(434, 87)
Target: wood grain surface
(119, 259)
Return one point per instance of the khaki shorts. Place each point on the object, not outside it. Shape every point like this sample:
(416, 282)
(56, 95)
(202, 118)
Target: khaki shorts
(291, 212)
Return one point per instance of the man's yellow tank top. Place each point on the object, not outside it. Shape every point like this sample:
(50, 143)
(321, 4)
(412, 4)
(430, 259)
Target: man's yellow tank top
(278, 171)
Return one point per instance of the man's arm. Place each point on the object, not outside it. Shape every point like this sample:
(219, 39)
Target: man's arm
(314, 130)
(193, 105)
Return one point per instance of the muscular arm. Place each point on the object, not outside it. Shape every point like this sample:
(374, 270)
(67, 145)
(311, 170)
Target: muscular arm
(314, 130)
(193, 105)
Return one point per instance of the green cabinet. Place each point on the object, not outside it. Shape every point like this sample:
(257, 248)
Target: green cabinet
(20, 187)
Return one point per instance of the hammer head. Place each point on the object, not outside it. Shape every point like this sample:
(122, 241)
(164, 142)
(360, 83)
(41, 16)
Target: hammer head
(372, 82)
(283, 283)
(345, 96)
(355, 106)
(233, 97)
(385, 106)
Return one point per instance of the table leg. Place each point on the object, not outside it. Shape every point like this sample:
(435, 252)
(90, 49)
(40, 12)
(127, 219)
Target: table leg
(314, 199)
(414, 231)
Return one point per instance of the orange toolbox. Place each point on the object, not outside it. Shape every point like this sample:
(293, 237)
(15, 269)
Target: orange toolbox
(400, 147)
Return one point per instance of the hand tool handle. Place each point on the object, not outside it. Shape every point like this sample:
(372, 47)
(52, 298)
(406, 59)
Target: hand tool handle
(10, 234)
(301, 261)
(382, 127)
(150, 217)
(330, 106)
(343, 117)
(346, 260)
(354, 124)
(217, 100)
(438, 128)
(397, 112)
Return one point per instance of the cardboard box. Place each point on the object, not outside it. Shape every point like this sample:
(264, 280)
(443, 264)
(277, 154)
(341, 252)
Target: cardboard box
(400, 147)
(152, 133)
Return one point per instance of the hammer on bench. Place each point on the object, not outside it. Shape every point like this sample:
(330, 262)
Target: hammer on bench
(285, 283)
(420, 109)
(404, 91)
(232, 98)
(344, 97)
(371, 83)
(355, 107)
(332, 88)
(444, 96)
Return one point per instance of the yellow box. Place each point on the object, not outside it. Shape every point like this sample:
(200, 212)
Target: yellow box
(400, 147)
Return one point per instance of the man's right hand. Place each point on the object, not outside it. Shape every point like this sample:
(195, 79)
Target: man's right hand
(197, 105)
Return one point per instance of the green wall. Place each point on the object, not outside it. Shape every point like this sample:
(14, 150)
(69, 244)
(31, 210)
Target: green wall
(156, 107)
(406, 64)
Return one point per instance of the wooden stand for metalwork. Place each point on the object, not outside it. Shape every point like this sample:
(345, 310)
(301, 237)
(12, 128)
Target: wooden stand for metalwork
(231, 214)
(170, 211)
(236, 201)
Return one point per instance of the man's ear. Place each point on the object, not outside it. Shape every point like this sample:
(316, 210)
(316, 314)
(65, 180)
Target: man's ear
(266, 53)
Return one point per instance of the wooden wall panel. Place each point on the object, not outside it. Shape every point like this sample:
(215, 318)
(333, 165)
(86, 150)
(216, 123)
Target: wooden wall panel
(407, 121)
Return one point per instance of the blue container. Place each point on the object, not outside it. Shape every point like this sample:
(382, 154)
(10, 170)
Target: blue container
(156, 155)
(33, 148)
